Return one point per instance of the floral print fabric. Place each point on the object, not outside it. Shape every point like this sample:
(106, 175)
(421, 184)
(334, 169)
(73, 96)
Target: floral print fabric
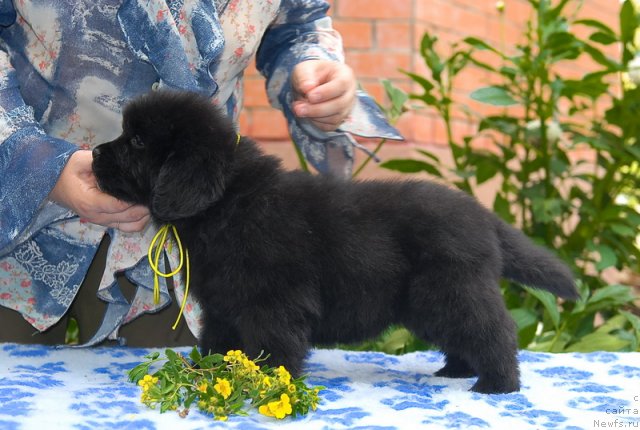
(66, 70)
(364, 390)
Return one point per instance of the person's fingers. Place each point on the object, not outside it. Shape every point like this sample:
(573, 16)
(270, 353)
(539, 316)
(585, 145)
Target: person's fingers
(131, 226)
(338, 86)
(327, 93)
(340, 107)
(304, 77)
(77, 190)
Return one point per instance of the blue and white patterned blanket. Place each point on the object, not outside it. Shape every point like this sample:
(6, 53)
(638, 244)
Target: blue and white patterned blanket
(44, 387)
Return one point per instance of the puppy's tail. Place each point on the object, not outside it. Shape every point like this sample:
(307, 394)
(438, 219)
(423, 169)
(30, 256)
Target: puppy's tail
(532, 265)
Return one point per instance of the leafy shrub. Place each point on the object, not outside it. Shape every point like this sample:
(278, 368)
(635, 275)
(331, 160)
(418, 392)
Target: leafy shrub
(584, 210)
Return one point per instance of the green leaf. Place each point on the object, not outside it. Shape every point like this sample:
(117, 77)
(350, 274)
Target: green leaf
(628, 22)
(564, 45)
(633, 319)
(608, 297)
(549, 302)
(428, 154)
(408, 165)
(502, 207)
(623, 230)
(603, 38)
(195, 355)
(503, 124)
(138, 372)
(396, 96)
(555, 12)
(485, 170)
(608, 257)
(427, 50)
(493, 95)
(615, 323)
(527, 323)
(598, 25)
(172, 355)
(598, 342)
(396, 341)
(558, 167)
(600, 58)
(523, 317)
(480, 44)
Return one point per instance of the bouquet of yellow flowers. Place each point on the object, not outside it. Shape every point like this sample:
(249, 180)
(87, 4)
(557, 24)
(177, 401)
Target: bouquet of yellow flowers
(222, 385)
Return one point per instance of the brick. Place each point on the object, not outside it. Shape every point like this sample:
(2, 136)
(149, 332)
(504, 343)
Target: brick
(254, 93)
(355, 34)
(518, 12)
(378, 64)
(436, 11)
(243, 121)
(331, 6)
(446, 15)
(406, 125)
(394, 35)
(374, 88)
(381, 37)
(267, 124)
(251, 69)
(373, 9)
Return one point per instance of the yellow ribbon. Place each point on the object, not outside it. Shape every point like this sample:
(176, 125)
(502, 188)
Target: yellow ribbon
(157, 247)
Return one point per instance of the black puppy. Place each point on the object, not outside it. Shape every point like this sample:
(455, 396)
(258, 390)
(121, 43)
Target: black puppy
(282, 260)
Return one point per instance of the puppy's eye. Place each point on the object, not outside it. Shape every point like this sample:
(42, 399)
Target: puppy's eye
(136, 142)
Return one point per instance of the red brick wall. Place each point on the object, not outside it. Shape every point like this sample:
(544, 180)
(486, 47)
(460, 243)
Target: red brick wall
(382, 36)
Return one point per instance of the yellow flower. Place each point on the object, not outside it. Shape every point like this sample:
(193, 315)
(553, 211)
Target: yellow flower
(147, 382)
(264, 410)
(283, 375)
(250, 365)
(223, 387)
(233, 356)
(291, 388)
(278, 409)
(266, 381)
(203, 387)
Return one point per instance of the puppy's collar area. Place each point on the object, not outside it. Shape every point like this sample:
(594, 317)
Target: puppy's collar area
(155, 251)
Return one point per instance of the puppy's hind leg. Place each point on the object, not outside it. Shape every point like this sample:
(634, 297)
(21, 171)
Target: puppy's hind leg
(462, 312)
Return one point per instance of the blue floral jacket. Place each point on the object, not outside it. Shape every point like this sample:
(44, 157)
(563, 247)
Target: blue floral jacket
(67, 68)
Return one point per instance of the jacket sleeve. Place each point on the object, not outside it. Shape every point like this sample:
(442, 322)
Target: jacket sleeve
(303, 31)
(30, 161)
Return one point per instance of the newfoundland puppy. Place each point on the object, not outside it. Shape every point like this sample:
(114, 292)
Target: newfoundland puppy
(282, 260)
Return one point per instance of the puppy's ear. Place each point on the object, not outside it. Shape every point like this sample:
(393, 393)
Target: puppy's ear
(186, 185)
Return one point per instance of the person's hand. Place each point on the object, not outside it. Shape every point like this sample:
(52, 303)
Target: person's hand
(77, 190)
(326, 92)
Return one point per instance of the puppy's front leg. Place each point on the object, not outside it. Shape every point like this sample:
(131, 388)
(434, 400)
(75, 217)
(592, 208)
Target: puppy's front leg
(218, 336)
(284, 340)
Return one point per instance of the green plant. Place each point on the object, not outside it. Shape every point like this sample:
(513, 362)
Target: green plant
(581, 209)
(221, 385)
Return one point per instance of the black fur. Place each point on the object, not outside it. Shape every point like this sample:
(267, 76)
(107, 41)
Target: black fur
(283, 260)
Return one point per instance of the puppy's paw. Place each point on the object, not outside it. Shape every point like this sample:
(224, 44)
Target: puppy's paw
(486, 385)
(451, 371)
(456, 367)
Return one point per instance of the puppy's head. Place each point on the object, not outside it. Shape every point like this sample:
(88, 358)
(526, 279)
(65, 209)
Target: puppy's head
(173, 156)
